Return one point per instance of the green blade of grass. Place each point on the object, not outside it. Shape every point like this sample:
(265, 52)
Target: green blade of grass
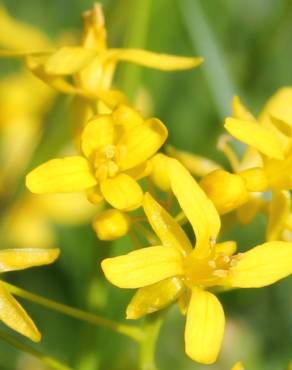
(214, 67)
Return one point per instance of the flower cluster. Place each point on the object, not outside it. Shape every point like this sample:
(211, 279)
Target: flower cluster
(135, 187)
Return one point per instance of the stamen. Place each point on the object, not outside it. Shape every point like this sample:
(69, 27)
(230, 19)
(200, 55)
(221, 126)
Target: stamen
(220, 273)
(212, 264)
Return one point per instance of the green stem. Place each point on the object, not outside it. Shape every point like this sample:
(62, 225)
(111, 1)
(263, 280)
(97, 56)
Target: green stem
(130, 331)
(151, 330)
(46, 360)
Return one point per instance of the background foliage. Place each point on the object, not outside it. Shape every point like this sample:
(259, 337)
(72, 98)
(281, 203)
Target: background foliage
(248, 51)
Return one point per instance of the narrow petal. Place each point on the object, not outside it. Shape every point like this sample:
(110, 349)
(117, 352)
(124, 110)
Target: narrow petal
(14, 316)
(163, 62)
(97, 133)
(141, 143)
(69, 60)
(143, 267)
(258, 137)
(154, 297)
(167, 229)
(197, 165)
(262, 265)
(122, 192)
(199, 210)
(61, 175)
(279, 212)
(204, 327)
(19, 259)
(240, 111)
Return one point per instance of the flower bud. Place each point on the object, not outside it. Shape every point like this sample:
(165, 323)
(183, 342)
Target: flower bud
(227, 191)
(111, 224)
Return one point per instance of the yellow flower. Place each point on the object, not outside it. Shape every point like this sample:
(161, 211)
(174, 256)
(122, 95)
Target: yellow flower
(115, 149)
(11, 312)
(175, 270)
(92, 64)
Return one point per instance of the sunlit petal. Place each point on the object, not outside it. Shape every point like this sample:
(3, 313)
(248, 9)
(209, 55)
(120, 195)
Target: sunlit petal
(61, 175)
(143, 267)
(14, 316)
(167, 229)
(204, 327)
(262, 265)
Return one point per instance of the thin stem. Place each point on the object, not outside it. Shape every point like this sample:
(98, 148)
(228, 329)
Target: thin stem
(148, 235)
(130, 331)
(151, 330)
(46, 360)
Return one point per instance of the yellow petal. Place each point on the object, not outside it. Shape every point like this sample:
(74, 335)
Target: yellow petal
(127, 117)
(154, 297)
(204, 327)
(143, 267)
(141, 143)
(61, 175)
(240, 111)
(258, 137)
(14, 316)
(167, 229)
(111, 224)
(278, 106)
(159, 174)
(227, 248)
(140, 171)
(197, 165)
(262, 265)
(19, 259)
(69, 60)
(149, 59)
(279, 212)
(97, 133)
(199, 210)
(122, 192)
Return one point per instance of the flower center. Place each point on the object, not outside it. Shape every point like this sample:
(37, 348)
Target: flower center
(208, 271)
(105, 162)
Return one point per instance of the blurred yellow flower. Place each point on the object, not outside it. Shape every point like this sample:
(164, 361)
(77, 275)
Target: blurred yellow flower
(238, 366)
(174, 270)
(92, 64)
(11, 312)
(30, 221)
(115, 149)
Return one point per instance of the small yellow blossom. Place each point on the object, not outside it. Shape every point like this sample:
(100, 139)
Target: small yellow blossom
(115, 149)
(238, 366)
(175, 270)
(11, 312)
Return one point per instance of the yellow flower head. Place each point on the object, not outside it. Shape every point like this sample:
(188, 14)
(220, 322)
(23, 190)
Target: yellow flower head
(11, 313)
(115, 149)
(175, 270)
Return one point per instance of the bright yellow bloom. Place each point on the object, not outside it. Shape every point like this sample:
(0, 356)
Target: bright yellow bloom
(92, 64)
(115, 149)
(11, 312)
(175, 270)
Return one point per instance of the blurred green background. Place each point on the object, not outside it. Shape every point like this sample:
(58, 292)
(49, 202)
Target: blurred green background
(248, 51)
